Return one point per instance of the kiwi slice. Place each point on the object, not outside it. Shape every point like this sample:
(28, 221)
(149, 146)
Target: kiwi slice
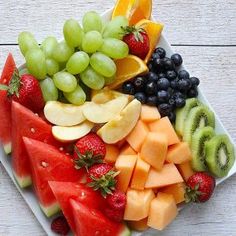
(182, 113)
(199, 139)
(199, 117)
(220, 155)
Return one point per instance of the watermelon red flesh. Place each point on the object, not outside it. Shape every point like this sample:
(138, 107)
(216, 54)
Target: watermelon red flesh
(49, 164)
(64, 191)
(90, 222)
(5, 105)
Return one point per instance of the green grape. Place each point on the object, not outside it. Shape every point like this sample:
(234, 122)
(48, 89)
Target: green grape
(52, 66)
(77, 63)
(23, 71)
(92, 41)
(48, 45)
(109, 80)
(49, 90)
(73, 33)
(114, 48)
(62, 52)
(77, 97)
(65, 81)
(103, 65)
(36, 63)
(92, 21)
(92, 79)
(26, 41)
(114, 28)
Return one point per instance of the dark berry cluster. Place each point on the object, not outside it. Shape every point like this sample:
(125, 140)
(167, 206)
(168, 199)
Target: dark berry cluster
(166, 85)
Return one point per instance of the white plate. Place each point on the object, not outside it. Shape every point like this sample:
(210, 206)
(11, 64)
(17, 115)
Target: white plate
(28, 194)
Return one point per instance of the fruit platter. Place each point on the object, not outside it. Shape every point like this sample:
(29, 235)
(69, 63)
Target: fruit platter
(105, 132)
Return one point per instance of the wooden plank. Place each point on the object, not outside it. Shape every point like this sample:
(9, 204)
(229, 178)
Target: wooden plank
(215, 67)
(186, 21)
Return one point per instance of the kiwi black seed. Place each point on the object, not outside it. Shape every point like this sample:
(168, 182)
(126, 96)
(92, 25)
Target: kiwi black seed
(182, 113)
(220, 155)
(199, 117)
(199, 139)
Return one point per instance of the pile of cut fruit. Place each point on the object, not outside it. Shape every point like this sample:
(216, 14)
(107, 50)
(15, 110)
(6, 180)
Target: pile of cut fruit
(107, 128)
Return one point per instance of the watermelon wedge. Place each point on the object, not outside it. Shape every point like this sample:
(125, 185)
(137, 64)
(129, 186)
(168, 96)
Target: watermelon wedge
(90, 222)
(5, 105)
(49, 164)
(26, 123)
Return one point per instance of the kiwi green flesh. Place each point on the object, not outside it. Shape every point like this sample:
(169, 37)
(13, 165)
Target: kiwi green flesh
(220, 155)
(199, 139)
(198, 117)
(182, 113)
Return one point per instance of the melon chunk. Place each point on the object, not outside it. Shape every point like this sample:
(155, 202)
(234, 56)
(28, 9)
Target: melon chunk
(139, 225)
(185, 170)
(125, 164)
(164, 126)
(140, 174)
(163, 211)
(138, 204)
(149, 114)
(137, 136)
(179, 153)
(154, 150)
(167, 176)
(112, 152)
(127, 150)
(177, 190)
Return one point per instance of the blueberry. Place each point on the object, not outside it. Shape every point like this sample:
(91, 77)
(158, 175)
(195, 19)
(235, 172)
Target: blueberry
(150, 66)
(151, 76)
(164, 109)
(171, 75)
(168, 64)
(155, 55)
(174, 84)
(172, 102)
(195, 81)
(183, 74)
(151, 100)
(128, 88)
(183, 84)
(139, 84)
(177, 59)
(151, 88)
(178, 94)
(161, 75)
(163, 84)
(192, 93)
(180, 102)
(160, 51)
(141, 97)
(158, 64)
(162, 96)
(172, 117)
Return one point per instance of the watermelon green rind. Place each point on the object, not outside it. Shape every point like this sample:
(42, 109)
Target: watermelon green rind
(126, 231)
(7, 148)
(23, 182)
(50, 210)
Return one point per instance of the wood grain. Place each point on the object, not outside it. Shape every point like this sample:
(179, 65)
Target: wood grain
(186, 22)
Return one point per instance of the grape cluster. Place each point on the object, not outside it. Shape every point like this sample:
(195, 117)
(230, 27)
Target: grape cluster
(83, 59)
(166, 86)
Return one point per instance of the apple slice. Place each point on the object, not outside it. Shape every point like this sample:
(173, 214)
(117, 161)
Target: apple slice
(64, 114)
(70, 134)
(102, 113)
(119, 127)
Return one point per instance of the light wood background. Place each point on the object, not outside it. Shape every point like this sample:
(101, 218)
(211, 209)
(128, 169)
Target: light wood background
(204, 32)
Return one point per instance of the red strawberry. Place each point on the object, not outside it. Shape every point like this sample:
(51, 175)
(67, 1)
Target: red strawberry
(137, 40)
(60, 226)
(89, 150)
(200, 187)
(102, 177)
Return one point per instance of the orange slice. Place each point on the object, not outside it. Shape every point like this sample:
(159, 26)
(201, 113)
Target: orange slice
(123, 8)
(128, 68)
(153, 30)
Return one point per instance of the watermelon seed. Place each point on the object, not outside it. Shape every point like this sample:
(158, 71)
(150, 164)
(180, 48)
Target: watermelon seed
(32, 130)
(44, 164)
(36, 114)
(61, 149)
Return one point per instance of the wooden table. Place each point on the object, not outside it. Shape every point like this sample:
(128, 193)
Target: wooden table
(204, 32)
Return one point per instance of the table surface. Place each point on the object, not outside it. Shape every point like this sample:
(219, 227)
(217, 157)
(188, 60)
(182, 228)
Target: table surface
(203, 32)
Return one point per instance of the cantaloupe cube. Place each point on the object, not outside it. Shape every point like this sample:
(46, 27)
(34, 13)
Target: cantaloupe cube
(163, 211)
(139, 225)
(179, 153)
(154, 150)
(138, 204)
(167, 176)
(140, 174)
(138, 135)
(149, 114)
(185, 170)
(125, 164)
(177, 190)
(112, 152)
(164, 126)
(127, 150)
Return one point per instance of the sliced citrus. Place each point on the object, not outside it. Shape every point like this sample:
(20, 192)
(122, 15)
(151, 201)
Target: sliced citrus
(127, 69)
(153, 30)
(123, 8)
